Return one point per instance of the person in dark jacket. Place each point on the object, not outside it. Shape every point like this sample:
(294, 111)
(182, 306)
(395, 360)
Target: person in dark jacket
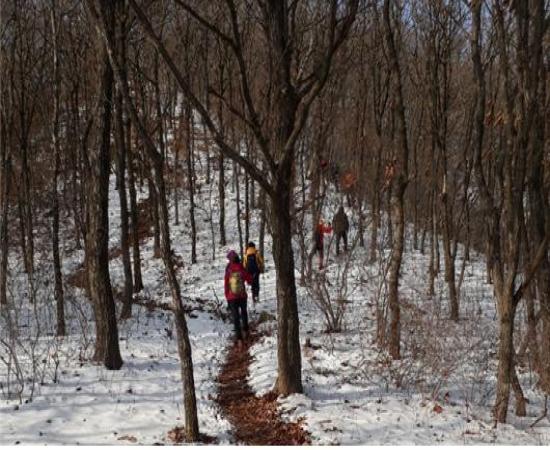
(340, 225)
(235, 293)
(254, 265)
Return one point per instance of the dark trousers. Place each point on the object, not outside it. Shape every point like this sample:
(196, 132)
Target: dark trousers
(344, 236)
(256, 285)
(239, 313)
(317, 250)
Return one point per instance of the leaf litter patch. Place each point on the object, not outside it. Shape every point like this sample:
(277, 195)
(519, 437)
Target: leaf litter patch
(255, 420)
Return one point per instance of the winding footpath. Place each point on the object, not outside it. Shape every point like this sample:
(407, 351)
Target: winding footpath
(255, 420)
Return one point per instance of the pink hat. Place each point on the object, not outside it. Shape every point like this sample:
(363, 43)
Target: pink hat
(231, 255)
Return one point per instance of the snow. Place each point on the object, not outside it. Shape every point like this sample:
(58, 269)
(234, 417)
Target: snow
(445, 391)
(350, 394)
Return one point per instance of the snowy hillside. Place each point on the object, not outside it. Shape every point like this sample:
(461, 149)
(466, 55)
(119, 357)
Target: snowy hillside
(440, 392)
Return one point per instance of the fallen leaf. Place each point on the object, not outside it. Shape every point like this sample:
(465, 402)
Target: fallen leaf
(438, 409)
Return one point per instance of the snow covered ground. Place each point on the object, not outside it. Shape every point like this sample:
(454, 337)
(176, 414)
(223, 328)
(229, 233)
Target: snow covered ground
(446, 378)
(351, 396)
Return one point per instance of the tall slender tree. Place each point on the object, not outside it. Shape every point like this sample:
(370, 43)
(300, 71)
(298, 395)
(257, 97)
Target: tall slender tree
(58, 283)
(399, 180)
(97, 236)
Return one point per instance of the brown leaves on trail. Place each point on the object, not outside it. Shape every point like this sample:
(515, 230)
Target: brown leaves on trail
(255, 420)
(438, 409)
(177, 436)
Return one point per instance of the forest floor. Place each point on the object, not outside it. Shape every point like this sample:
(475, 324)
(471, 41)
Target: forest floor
(254, 420)
(441, 392)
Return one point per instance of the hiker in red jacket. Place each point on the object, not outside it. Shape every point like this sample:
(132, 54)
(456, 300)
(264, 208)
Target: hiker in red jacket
(319, 240)
(235, 294)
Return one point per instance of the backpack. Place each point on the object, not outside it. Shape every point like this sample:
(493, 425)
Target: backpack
(252, 265)
(236, 284)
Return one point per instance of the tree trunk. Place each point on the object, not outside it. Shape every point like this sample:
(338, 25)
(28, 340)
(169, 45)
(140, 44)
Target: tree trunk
(27, 213)
(134, 213)
(398, 191)
(58, 284)
(246, 209)
(289, 379)
(97, 237)
(176, 185)
(76, 186)
(449, 260)
(124, 220)
(237, 184)
(120, 139)
(221, 193)
(247, 198)
(432, 271)
(521, 402)
(5, 171)
(415, 197)
(154, 216)
(505, 356)
(375, 205)
(184, 346)
(58, 289)
(539, 207)
(398, 221)
(191, 180)
(22, 230)
(263, 218)
(221, 159)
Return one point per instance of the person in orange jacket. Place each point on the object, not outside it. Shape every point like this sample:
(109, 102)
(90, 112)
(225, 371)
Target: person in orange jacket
(254, 265)
(319, 240)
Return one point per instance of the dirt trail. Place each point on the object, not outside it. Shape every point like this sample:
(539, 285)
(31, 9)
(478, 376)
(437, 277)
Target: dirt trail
(255, 420)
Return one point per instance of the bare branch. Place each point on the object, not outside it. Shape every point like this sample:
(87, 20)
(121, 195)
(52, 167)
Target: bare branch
(245, 87)
(205, 23)
(317, 80)
(223, 147)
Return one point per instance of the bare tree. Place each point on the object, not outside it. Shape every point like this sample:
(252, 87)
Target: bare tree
(58, 290)
(121, 158)
(97, 236)
(101, 16)
(399, 181)
(292, 96)
(503, 209)
(5, 160)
